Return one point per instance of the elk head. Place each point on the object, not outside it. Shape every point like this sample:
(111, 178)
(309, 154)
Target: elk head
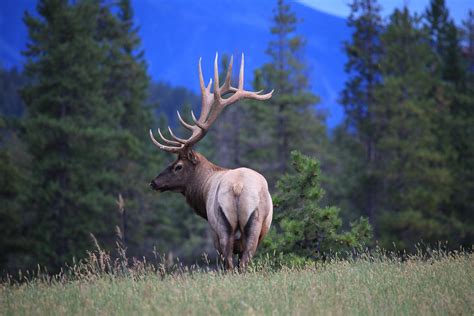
(182, 171)
(176, 175)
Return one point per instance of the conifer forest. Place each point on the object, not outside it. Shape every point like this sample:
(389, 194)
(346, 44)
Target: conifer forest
(76, 160)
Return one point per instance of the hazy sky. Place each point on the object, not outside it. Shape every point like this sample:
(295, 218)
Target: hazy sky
(458, 8)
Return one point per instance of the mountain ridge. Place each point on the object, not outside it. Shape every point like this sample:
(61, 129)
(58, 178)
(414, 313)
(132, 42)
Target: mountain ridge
(175, 34)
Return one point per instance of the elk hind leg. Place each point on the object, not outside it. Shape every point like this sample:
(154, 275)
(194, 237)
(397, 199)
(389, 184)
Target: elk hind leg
(226, 236)
(250, 235)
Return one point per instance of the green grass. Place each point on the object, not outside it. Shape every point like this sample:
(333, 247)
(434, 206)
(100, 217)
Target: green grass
(370, 285)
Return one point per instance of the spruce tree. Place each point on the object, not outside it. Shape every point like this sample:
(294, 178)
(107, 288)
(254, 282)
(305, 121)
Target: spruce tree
(468, 38)
(445, 41)
(14, 161)
(414, 177)
(462, 134)
(128, 81)
(295, 123)
(125, 88)
(12, 182)
(454, 115)
(11, 81)
(363, 52)
(71, 131)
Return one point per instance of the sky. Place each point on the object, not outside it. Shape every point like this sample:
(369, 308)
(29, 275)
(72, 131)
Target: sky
(458, 8)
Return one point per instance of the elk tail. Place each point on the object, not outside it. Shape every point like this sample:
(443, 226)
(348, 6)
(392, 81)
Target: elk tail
(237, 188)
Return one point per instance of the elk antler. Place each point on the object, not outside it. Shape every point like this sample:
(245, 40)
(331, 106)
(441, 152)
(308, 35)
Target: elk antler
(212, 105)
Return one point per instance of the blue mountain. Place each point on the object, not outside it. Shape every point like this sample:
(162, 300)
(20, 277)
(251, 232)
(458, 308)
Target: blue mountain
(176, 33)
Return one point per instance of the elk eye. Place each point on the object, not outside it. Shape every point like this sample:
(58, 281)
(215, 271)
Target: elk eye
(178, 167)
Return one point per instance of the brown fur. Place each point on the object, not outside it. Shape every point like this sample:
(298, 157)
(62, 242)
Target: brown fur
(196, 190)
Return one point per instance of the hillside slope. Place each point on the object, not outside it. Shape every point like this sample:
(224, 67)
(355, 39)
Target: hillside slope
(176, 33)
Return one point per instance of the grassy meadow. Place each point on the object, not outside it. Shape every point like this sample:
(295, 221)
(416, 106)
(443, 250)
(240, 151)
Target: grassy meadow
(380, 284)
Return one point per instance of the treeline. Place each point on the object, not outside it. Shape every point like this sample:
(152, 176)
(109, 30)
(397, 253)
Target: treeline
(75, 145)
(406, 145)
(402, 157)
(75, 158)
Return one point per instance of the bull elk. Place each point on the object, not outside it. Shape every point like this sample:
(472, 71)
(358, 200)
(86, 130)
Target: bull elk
(234, 201)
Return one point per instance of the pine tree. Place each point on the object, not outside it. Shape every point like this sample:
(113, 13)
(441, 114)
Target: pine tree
(71, 131)
(358, 99)
(12, 180)
(414, 178)
(14, 162)
(295, 123)
(11, 81)
(454, 116)
(468, 38)
(127, 81)
(125, 88)
(445, 41)
(343, 170)
(461, 136)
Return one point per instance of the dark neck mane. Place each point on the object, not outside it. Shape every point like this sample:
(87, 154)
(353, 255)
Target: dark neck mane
(197, 189)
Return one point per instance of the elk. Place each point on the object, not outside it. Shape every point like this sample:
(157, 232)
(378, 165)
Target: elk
(235, 202)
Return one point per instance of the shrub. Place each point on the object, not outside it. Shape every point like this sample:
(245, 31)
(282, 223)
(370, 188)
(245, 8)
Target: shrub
(302, 227)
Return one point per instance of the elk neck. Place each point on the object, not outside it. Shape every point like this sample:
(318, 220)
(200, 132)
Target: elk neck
(197, 189)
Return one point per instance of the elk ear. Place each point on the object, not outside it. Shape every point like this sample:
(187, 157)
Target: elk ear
(192, 157)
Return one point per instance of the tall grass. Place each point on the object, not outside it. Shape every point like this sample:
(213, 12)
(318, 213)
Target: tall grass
(371, 283)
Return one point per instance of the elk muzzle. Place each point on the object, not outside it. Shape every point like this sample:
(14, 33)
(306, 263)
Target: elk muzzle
(153, 185)
(157, 187)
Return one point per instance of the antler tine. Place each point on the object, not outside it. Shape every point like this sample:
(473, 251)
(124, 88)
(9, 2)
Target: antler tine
(163, 147)
(257, 95)
(217, 90)
(176, 138)
(241, 74)
(240, 93)
(168, 141)
(211, 107)
(183, 122)
(226, 87)
(201, 79)
(220, 103)
(196, 121)
(206, 99)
